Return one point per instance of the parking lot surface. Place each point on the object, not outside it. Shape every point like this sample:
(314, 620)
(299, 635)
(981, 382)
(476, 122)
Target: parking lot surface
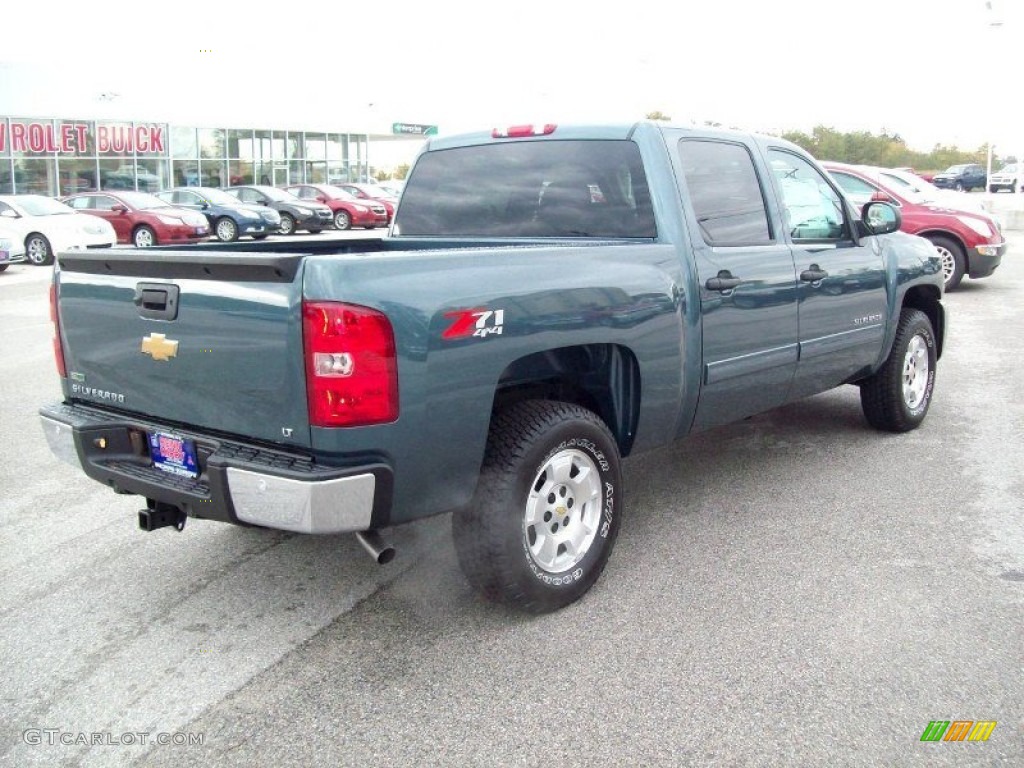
(796, 589)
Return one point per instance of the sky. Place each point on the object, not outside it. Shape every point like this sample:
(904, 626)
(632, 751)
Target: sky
(932, 71)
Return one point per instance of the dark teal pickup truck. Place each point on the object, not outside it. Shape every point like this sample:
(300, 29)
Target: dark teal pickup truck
(550, 299)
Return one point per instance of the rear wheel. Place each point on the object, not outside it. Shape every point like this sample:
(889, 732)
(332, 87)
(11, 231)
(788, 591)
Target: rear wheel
(342, 220)
(545, 514)
(287, 224)
(226, 229)
(3, 267)
(897, 396)
(954, 263)
(38, 250)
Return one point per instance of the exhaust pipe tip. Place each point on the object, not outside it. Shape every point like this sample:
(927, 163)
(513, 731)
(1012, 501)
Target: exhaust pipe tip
(379, 550)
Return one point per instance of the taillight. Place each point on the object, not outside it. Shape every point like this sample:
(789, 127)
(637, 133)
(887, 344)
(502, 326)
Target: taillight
(58, 349)
(351, 369)
(519, 131)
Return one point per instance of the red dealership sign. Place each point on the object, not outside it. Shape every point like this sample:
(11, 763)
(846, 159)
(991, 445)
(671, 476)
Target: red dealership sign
(120, 138)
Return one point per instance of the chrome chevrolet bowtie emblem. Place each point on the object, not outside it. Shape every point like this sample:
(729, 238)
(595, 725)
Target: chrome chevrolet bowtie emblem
(159, 347)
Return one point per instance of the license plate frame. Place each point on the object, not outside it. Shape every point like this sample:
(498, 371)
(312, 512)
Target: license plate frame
(173, 454)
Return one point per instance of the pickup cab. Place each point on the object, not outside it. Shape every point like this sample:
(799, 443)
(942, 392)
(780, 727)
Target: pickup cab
(550, 300)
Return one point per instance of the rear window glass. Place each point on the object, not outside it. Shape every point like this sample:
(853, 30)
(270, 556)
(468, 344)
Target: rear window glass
(529, 189)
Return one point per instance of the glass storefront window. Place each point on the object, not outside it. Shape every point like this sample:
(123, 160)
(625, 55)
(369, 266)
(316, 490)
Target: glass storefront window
(295, 168)
(277, 146)
(336, 147)
(116, 174)
(316, 147)
(184, 142)
(77, 176)
(186, 173)
(295, 146)
(213, 173)
(151, 175)
(316, 173)
(240, 172)
(240, 144)
(211, 142)
(6, 178)
(337, 173)
(5, 145)
(35, 177)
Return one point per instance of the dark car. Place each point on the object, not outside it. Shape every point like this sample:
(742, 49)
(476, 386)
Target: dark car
(963, 177)
(348, 211)
(142, 219)
(229, 217)
(372, 192)
(295, 213)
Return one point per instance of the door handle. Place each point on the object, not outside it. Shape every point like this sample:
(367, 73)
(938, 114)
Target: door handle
(724, 282)
(814, 274)
(157, 301)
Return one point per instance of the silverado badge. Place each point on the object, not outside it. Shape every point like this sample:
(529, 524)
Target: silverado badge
(159, 347)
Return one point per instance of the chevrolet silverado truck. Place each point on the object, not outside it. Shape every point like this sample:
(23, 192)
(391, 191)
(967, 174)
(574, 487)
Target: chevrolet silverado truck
(549, 300)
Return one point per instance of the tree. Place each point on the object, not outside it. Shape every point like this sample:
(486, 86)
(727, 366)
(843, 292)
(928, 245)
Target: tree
(658, 115)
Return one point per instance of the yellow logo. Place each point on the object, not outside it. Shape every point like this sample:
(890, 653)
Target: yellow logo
(159, 347)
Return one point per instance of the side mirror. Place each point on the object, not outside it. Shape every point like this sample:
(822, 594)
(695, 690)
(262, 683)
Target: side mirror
(9, 214)
(204, 205)
(322, 198)
(119, 209)
(880, 218)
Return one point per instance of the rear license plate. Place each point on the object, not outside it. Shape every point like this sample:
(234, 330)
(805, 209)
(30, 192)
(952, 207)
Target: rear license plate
(173, 454)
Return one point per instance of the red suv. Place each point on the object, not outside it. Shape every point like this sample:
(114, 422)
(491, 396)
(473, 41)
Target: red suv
(143, 219)
(969, 241)
(348, 211)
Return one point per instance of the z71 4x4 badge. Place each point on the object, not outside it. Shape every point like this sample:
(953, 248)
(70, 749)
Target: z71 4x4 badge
(467, 323)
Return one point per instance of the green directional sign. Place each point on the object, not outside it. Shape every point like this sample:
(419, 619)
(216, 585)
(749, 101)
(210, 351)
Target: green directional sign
(413, 129)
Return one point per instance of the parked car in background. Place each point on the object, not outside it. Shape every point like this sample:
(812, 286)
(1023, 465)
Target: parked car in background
(142, 219)
(12, 250)
(921, 174)
(962, 178)
(968, 241)
(348, 211)
(295, 213)
(1008, 177)
(898, 178)
(392, 186)
(44, 225)
(228, 217)
(373, 192)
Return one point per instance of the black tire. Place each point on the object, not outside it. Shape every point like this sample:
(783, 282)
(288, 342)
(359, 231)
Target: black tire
(992, 188)
(494, 537)
(143, 237)
(954, 262)
(260, 237)
(38, 250)
(287, 224)
(3, 267)
(896, 398)
(226, 229)
(959, 186)
(342, 220)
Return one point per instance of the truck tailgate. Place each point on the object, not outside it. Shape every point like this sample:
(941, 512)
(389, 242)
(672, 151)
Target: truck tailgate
(208, 341)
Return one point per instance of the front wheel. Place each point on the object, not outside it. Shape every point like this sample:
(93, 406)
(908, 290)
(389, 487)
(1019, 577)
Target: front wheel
(287, 224)
(3, 267)
(38, 250)
(144, 237)
(546, 512)
(897, 396)
(226, 229)
(342, 220)
(954, 263)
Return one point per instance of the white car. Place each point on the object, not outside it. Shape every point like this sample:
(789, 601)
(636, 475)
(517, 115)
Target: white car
(11, 248)
(1007, 177)
(46, 226)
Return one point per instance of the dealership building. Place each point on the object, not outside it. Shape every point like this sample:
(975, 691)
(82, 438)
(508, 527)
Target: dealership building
(60, 156)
